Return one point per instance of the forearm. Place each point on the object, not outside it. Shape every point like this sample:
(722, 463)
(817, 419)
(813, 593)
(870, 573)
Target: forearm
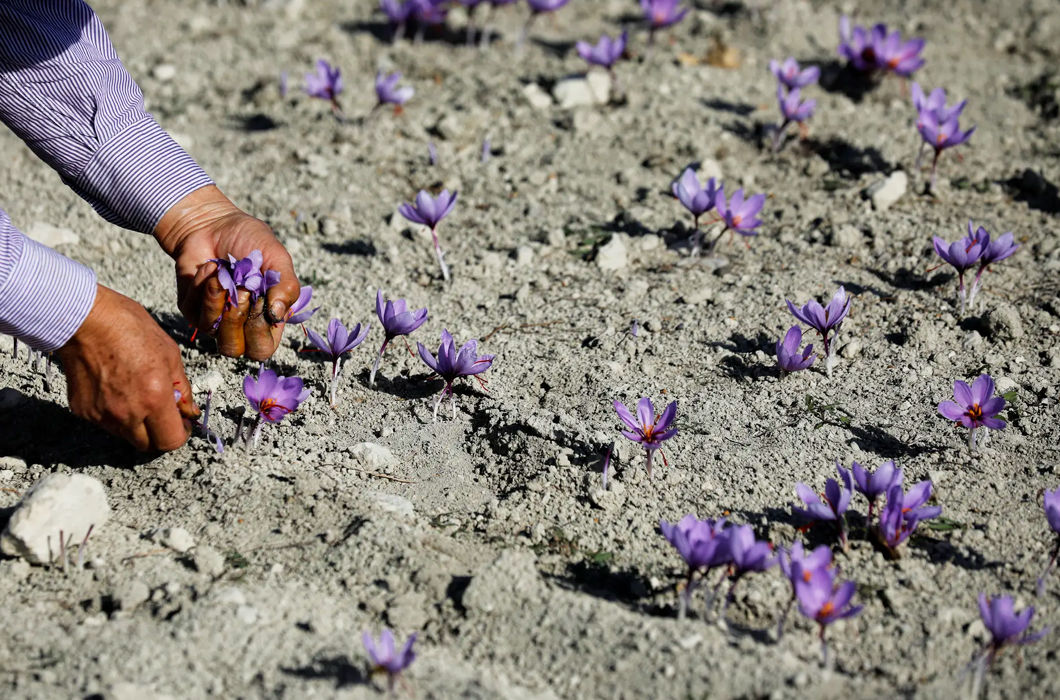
(64, 91)
(44, 296)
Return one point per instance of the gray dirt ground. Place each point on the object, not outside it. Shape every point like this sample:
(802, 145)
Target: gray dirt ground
(488, 534)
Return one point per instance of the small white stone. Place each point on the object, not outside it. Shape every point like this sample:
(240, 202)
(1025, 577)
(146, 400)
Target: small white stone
(612, 255)
(210, 381)
(209, 561)
(178, 539)
(68, 502)
(886, 192)
(164, 72)
(593, 89)
(393, 503)
(51, 236)
(524, 255)
(247, 614)
(538, 98)
(373, 456)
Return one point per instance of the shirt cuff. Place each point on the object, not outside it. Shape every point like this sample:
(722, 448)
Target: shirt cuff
(46, 298)
(138, 174)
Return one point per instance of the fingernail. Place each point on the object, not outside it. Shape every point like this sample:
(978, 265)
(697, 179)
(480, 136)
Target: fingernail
(278, 311)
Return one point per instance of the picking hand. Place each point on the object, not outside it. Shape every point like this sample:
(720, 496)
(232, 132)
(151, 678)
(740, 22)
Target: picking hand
(204, 225)
(121, 373)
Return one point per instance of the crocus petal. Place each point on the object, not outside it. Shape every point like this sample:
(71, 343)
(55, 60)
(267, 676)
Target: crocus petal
(982, 389)
(645, 412)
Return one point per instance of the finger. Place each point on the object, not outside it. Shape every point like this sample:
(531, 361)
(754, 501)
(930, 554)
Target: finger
(212, 306)
(191, 291)
(281, 295)
(258, 334)
(166, 430)
(135, 435)
(230, 333)
(186, 403)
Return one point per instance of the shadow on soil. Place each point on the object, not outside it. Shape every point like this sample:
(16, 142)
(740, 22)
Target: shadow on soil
(848, 160)
(625, 586)
(1035, 191)
(337, 669)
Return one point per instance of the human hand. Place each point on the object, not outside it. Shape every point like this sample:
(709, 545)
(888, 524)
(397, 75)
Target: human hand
(121, 371)
(204, 225)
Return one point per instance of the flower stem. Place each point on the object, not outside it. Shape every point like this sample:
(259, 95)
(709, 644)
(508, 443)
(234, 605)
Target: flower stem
(647, 461)
(971, 440)
(378, 359)
(336, 368)
(685, 598)
(784, 617)
(934, 170)
(256, 434)
(1048, 569)
(439, 403)
(441, 255)
(778, 135)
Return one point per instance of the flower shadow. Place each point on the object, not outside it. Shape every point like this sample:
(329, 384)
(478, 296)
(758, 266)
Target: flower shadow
(625, 586)
(875, 439)
(361, 247)
(336, 668)
(837, 77)
(848, 160)
(944, 552)
(1035, 191)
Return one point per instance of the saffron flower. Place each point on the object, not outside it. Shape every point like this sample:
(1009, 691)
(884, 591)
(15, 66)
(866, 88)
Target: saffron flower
(824, 601)
(825, 320)
(876, 49)
(429, 212)
(903, 512)
(245, 273)
(739, 214)
(876, 484)
(994, 250)
(387, 92)
(297, 313)
(789, 359)
(397, 320)
(1051, 504)
(938, 125)
(660, 14)
(897, 56)
(697, 199)
(703, 544)
(1007, 629)
(792, 109)
(975, 407)
(605, 52)
(272, 397)
(339, 341)
(790, 75)
(648, 428)
(325, 84)
(397, 13)
(963, 255)
(452, 364)
(748, 555)
(799, 565)
(426, 13)
(385, 656)
(833, 507)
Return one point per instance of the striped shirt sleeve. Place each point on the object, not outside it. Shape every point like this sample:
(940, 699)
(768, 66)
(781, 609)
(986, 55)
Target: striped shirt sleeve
(44, 296)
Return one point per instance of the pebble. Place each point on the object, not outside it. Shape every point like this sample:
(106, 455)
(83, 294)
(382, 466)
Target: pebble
(51, 236)
(524, 255)
(847, 236)
(851, 349)
(1003, 323)
(698, 296)
(538, 98)
(209, 561)
(132, 594)
(612, 255)
(886, 192)
(393, 503)
(593, 89)
(178, 539)
(68, 502)
(164, 72)
(373, 456)
(210, 381)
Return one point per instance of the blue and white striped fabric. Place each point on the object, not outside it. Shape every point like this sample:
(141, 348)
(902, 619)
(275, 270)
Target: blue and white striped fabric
(64, 91)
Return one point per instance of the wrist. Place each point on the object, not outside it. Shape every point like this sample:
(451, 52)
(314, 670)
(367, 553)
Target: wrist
(199, 210)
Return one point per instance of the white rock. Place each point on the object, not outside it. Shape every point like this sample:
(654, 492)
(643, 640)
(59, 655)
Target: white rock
(211, 381)
(393, 503)
(594, 89)
(209, 561)
(51, 235)
(612, 255)
(847, 236)
(373, 456)
(164, 72)
(886, 192)
(178, 539)
(524, 255)
(538, 98)
(68, 502)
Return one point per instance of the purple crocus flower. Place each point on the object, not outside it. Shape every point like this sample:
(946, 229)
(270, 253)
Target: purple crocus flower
(748, 555)
(703, 544)
(833, 507)
(790, 75)
(697, 199)
(648, 428)
(859, 45)
(962, 254)
(387, 92)
(903, 512)
(825, 320)
(452, 364)
(739, 214)
(339, 341)
(876, 484)
(1051, 504)
(427, 13)
(799, 565)
(789, 359)
(1006, 626)
(297, 313)
(385, 657)
(325, 84)
(606, 52)
(541, 6)
(791, 110)
(429, 211)
(975, 407)
(245, 273)
(397, 13)
(898, 56)
(824, 601)
(272, 397)
(660, 14)
(938, 125)
(994, 250)
(397, 320)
